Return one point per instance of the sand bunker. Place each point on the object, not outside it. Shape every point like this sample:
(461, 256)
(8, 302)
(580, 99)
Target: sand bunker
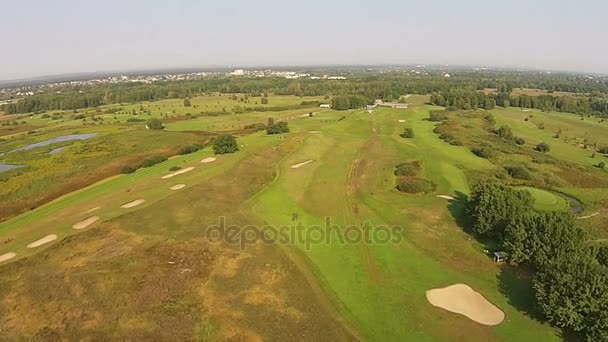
(208, 160)
(7, 256)
(133, 203)
(447, 197)
(462, 299)
(314, 132)
(44, 240)
(178, 172)
(401, 120)
(178, 186)
(92, 210)
(295, 166)
(85, 223)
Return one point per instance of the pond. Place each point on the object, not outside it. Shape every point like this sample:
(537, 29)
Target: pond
(62, 138)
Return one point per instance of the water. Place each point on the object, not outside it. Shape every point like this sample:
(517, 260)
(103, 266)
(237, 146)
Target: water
(55, 140)
(8, 167)
(57, 150)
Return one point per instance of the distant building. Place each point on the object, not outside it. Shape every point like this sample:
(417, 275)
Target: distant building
(446, 75)
(238, 72)
(325, 105)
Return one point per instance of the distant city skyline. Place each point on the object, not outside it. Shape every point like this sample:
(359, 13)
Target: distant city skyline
(68, 36)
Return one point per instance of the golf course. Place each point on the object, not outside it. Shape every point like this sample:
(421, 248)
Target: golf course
(133, 254)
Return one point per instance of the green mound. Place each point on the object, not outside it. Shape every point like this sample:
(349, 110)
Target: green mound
(545, 200)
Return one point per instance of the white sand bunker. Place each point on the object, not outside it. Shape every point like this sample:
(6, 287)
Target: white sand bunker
(44, 240)
(295, 166)
(462, 299)
(178, 172)
(85, 223)
(401, 120)
(314, 132)
(447, 197)
(178, 186)
(208, 160)
(92, 210)
(133, 203)
(7, 256)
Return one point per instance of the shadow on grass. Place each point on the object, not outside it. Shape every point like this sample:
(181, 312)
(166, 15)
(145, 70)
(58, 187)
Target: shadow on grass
(457, 208)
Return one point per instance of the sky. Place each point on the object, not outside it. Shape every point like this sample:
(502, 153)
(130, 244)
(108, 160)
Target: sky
(42, 37)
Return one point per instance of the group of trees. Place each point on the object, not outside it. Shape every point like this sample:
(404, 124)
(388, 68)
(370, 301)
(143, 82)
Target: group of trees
(344, 102)
(571, 276)
(276, 128)
(224, 144)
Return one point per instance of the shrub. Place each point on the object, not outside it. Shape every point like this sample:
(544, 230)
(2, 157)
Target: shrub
(484, 152)
(189, 149)
(174, 168)
(437, 116)
(456, 143)
(520, 141)
(416, 186)
(543, 147)
(505, 132)
(225, 144)
(408, 169)
(519, 172)
(154, 123)
(135, 120)
(603, 150)
(278, 128)
(407, 133)
(601, 165)
(153, 161)
(127, 169)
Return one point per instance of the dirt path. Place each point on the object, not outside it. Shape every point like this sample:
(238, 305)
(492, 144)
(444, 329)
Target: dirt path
(133, 203)
(85, 223)
(7, 256)
(295, 166)
(462, 299)
(43, 241)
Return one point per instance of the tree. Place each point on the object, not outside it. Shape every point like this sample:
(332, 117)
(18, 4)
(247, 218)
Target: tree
(225, 144)
(264, 100)
(154, 123)
(490, 104)
(407, 133)
(340, 103)
(540, 237)
(187, 102)
(492, 205)
(543, 147)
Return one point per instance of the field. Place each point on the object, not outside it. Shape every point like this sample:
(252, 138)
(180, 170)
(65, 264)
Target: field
(153, 272)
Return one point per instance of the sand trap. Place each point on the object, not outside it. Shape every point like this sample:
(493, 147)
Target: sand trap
(85, 223)
(295, 166)
(7, 256)
(91, 210)
(448, 197)
(401, 120)
(178, 172)
(462, 299)
(314, 132)
(44, 240)
(133, 203)
(178, 186)
(208, 160)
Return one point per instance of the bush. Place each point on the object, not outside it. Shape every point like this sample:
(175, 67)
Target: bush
(154, 123)
(135, 120)
(603, 150)
(416, 186)
(278, 128)
(128, 169)
(408, 169)
(505, 132)
(407, 133)
(484, 152)
(519, 172)
(437, 116)
(543, 147)
(189, 149)
(153, 161)
(174, 168)
(520, 141)
(225, 144)
(601, 165)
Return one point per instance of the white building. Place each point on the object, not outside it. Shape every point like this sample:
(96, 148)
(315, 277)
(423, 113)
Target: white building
(325, 105)
(238, 72)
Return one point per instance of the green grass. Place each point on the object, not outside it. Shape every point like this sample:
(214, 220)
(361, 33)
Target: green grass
(545, 200)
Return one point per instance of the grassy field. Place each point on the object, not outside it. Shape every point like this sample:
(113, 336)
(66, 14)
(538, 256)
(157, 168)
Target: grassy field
(149, 272)
(545, 200)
